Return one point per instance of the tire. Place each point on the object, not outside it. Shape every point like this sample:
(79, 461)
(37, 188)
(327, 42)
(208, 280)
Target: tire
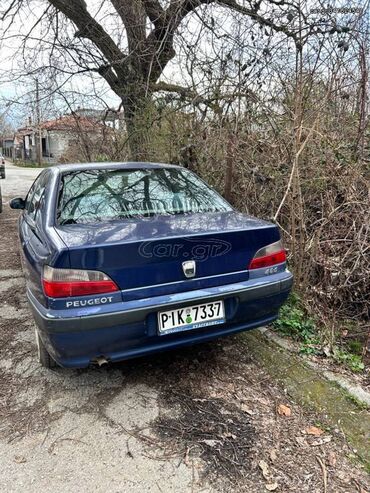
(42, 354)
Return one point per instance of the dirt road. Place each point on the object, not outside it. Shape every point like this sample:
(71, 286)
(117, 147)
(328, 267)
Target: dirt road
(206, 418)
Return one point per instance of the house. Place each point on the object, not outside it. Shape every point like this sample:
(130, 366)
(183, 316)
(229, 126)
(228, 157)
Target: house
(24, 144)
(58, 137)
(109, 117)
(7, 144)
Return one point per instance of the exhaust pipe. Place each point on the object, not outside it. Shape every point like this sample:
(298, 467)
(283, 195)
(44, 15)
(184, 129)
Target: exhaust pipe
(100, 361)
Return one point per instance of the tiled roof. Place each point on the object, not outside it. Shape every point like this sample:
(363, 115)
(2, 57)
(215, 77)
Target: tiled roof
(73, 123)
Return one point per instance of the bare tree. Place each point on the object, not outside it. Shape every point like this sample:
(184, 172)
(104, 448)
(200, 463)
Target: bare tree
(131, 49)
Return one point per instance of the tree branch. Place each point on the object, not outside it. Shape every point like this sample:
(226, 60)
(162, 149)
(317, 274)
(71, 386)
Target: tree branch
(154, 10)
(253, 14)
(133, 16)
(88, 27)
(166, 87)
(195, 98)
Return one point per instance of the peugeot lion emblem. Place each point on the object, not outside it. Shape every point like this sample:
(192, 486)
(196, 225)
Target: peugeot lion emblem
(189, 268)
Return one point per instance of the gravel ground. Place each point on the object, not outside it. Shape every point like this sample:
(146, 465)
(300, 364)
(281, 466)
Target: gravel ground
(206, 418)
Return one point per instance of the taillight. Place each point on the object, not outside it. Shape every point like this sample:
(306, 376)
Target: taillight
(63, 283)
(269, 255)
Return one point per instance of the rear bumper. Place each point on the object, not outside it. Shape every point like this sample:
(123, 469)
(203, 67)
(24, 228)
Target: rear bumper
(129, 329)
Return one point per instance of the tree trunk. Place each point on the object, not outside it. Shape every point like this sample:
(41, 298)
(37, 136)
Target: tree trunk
(360, 141)
(139, 112)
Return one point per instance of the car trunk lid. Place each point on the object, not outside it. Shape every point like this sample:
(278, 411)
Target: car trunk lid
(146, 255)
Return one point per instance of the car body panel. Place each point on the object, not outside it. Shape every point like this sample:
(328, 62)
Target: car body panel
(144, 257)
(127, 329)
(152, 250)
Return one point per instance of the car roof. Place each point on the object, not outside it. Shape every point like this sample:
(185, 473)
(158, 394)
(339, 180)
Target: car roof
(65, 168)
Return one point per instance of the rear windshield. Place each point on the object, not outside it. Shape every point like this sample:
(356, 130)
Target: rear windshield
(104, 195)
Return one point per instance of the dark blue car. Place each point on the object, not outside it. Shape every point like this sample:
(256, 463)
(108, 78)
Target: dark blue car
(125, 259)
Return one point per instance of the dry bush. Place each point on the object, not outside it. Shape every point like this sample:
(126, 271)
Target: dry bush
(335, 262)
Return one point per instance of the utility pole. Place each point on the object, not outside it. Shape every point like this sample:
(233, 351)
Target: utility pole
(38, 117)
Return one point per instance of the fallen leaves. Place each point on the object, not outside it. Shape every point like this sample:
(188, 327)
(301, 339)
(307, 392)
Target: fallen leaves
(273, 455)
(19, 459)
(211, 443)
(313, 430)
(270, 485)
(301, 441)
(228, 435)
(343, 476)
(222, 436)
(284, 410)
(331, 459)
(247, 409)
(321, 441)
(264, 468)
(313, 438)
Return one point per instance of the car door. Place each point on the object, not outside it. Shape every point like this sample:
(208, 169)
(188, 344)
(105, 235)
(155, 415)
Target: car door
(32, 233)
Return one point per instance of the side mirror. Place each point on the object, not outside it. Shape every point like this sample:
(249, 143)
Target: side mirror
(17, 203)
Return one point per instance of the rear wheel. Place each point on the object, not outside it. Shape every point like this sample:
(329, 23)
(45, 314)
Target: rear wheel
(43, 356)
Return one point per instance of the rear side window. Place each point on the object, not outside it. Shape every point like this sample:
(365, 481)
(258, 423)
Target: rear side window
(35, 195)
(103, 195)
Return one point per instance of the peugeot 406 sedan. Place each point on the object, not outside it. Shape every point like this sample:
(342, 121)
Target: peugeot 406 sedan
(125, 259)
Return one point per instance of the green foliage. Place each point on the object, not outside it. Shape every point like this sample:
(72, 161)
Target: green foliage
(350, 360)
(102, 158)
(355, 347)
(295, 323)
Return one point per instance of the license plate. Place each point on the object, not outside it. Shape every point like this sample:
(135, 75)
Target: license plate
(191, 317)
